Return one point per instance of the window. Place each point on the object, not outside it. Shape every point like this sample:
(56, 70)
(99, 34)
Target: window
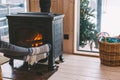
(8, 7)
(106, 17)
(88, 26)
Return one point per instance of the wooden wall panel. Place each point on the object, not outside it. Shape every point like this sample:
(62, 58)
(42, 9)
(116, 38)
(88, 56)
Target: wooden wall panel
(65, 7)
(34, 6)
(57, 6)
(68, 45)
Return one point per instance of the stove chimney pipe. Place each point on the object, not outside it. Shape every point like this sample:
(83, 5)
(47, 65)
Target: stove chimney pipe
(45, 5)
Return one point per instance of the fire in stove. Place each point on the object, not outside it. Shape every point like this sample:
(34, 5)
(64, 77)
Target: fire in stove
(37, 40)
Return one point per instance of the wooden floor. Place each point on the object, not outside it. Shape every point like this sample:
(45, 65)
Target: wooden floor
(75, 67)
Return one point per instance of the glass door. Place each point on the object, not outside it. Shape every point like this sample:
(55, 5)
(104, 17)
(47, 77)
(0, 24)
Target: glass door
(110, 17)
(89, 25)
(97, 16)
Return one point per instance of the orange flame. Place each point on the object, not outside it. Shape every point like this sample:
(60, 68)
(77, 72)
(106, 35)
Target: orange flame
(37, 37)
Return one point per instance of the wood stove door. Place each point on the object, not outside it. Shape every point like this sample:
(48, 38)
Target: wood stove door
(28, 37)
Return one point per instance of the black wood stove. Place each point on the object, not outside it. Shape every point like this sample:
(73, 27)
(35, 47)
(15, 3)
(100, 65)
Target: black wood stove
(35, 29)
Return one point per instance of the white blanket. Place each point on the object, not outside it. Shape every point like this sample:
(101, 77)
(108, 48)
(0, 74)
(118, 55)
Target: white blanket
(37, 54)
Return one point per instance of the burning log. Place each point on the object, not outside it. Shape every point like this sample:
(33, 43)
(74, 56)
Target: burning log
(31, 43)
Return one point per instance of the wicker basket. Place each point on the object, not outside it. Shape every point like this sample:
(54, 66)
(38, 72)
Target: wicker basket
(109, 53)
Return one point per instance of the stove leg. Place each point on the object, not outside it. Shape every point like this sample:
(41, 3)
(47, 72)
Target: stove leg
(61, 58)
(11, 61)
(52, 67)
(51, 63)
